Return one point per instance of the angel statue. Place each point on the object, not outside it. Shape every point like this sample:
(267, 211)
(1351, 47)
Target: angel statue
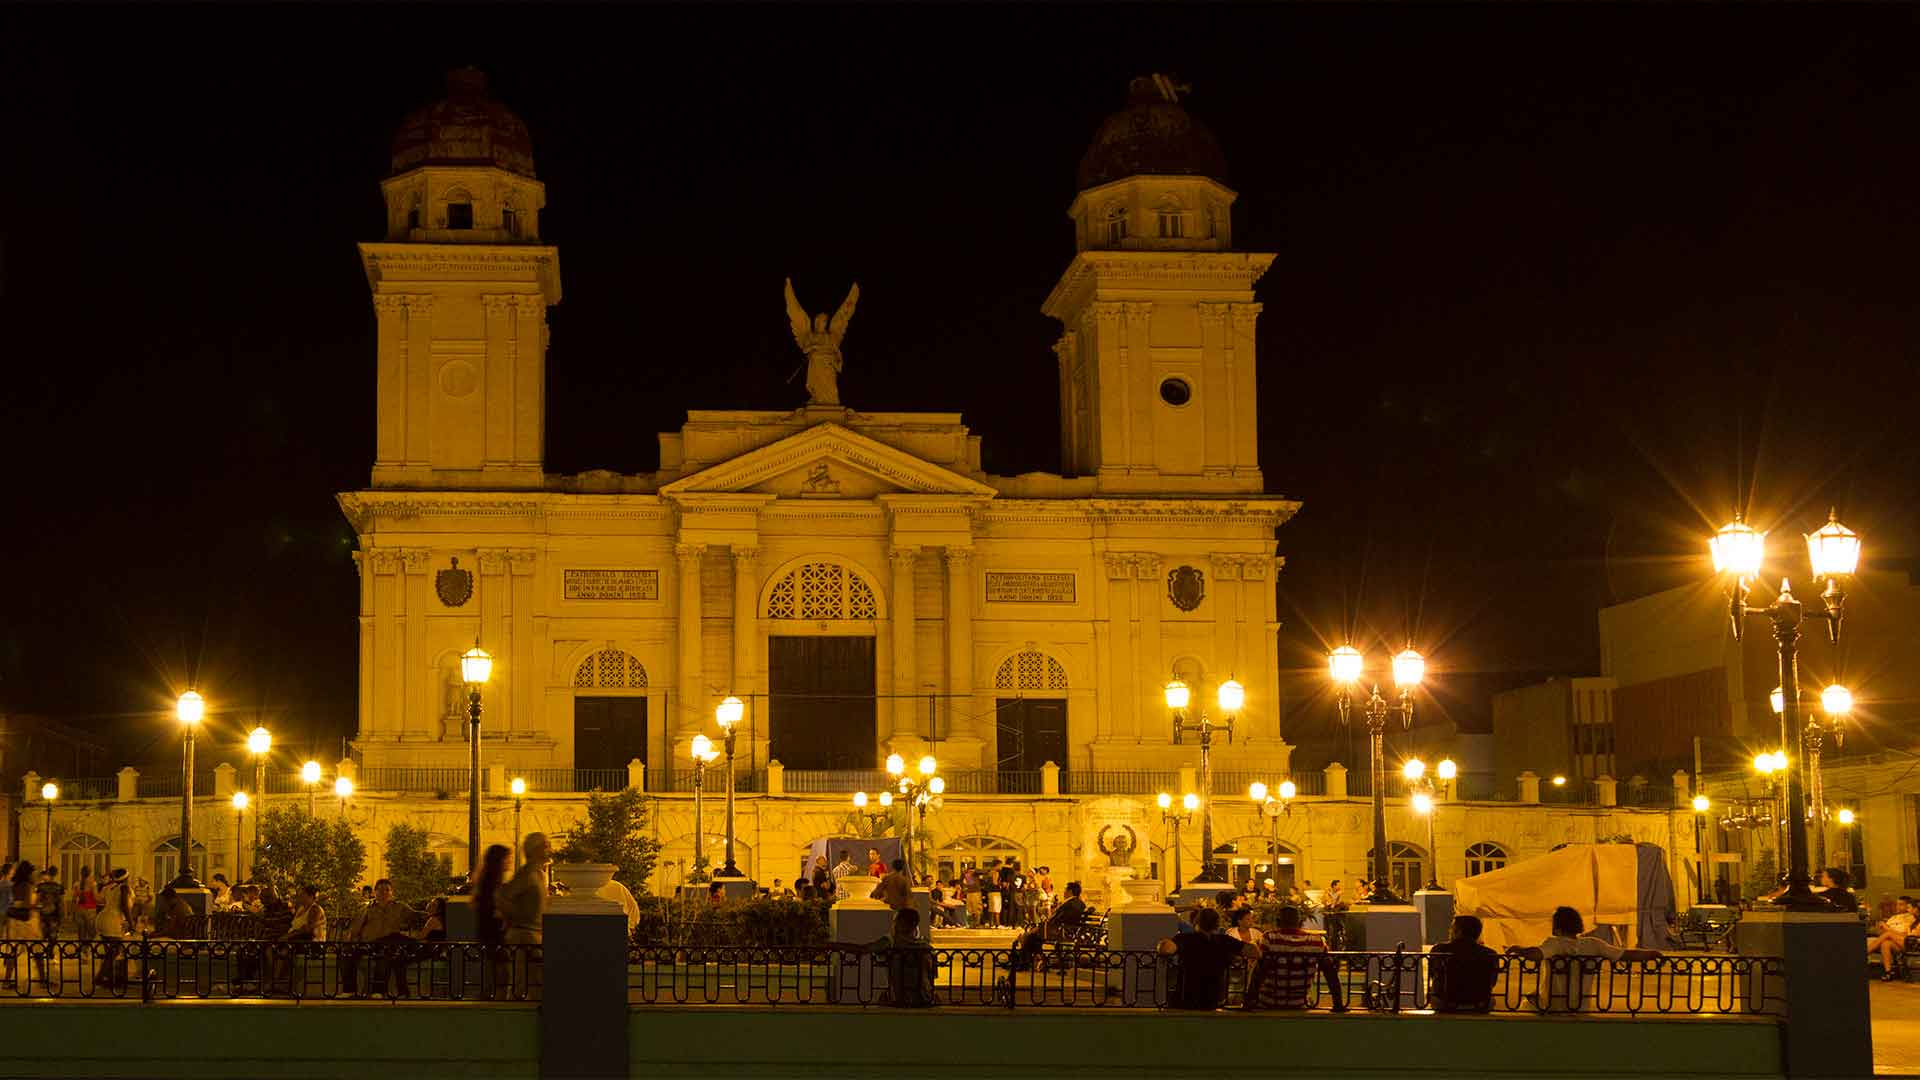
(1120, 853)
(820, 338)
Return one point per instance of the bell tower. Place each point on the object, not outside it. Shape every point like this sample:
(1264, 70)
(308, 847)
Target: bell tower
(461, 286)
(1156, 360)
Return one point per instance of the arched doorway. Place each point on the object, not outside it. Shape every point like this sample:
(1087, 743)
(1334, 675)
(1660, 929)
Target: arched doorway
(822, 713)
(1406, 867)
(1030, 717)
(82, 850)
(978, 852)
(166, 862)
(1252, 858)
(609, 712)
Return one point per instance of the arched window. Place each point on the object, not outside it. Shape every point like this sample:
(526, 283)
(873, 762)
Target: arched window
(610, 669)
(166, 862)
(1173, 220)
(1116, 225)
(81, 850)
(977, 852)
(822, 590)
(1030, 670)
(1485, 856)
(1406, 868)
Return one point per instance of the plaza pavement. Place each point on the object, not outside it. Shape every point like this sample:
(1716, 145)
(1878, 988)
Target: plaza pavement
(1896, 1028)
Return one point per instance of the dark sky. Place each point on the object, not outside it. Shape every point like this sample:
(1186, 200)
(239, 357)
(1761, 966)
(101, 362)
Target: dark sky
(1556, 287)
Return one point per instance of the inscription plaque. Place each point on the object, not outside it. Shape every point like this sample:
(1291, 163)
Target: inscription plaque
(610, 584)
(1029, 587)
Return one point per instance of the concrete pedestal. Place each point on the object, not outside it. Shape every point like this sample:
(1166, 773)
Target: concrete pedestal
(1204, 890)
(1384, 928)
(583, 988)
(923, 903)
(738, 888)
(461, 925)
(1829, 1023)
(1136, 929)
(1436, 914)
(857, 920)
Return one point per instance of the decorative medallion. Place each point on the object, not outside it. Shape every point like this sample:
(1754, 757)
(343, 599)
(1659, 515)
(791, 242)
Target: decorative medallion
(454, 585)
(820, 481)
(1186, 587)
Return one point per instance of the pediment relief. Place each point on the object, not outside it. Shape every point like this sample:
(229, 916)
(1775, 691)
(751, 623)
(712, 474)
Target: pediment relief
(828, 461)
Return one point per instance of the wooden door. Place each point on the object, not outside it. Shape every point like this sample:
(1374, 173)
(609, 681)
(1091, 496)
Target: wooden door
(608, 732)
(820, 697)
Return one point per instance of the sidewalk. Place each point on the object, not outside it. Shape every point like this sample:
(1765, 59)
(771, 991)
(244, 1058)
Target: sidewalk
(1896, 1028)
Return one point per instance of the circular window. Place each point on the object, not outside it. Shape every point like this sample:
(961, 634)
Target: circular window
(1176, 392)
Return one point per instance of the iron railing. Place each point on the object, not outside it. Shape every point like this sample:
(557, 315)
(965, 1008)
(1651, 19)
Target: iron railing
(992, 782)
(158, 969)
(397, 778)
(836, 781)
(680, 781)
(1124, 782)
(92, 787)
(575, 780)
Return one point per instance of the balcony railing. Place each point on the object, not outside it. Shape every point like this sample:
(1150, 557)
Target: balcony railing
(606, 780)
(1122, 782)
(394, 778)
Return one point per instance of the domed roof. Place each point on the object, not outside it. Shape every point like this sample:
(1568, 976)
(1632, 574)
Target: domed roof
(468, 128)
(1152, 135)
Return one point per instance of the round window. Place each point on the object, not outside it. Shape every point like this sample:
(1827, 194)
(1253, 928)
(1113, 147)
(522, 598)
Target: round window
(1176, 392)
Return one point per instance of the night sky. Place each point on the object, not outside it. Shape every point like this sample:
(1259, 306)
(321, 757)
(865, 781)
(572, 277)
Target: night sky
(1557, 287)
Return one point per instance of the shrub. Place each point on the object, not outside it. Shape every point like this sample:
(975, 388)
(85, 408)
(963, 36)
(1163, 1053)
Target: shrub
(415, 873)
(614, 832)
(759, 922)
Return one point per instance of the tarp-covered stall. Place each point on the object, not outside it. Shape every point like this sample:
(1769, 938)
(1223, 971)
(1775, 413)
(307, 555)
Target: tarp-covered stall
(1625, 886)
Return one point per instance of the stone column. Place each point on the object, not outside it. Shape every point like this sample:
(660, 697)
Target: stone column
(419, 381)
(419, 686)
(1530, 787)
(389, 441)
(746, 640)
(525, 679)
(959, 637)
(905, 682)
(693, 694)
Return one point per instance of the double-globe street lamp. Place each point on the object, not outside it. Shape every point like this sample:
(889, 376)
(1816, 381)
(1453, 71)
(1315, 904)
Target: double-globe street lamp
(1275, 805)
(259, 742)
(191, 709)
(1701, 804)
(476, 667)
(727, 714)
(703, 753)
(1173, 819)
(1833, 551)
(1425, 799)
(923, 792)
(1346, 665)
(1230, 697)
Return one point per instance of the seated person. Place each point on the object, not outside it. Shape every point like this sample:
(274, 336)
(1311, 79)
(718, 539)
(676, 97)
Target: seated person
(909, 962)
(1463, 970)
(1068, 915)
(1890, 940)
(1289, 956)
(1834, 889)
(1202, 957)
(1569, 950)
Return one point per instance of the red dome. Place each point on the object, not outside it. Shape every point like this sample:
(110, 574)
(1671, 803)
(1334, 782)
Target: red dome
(468, 128)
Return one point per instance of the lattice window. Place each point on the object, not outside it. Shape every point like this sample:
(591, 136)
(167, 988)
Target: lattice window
(1030, 670)
(822, 591)
(610, 669)
(1484, 857)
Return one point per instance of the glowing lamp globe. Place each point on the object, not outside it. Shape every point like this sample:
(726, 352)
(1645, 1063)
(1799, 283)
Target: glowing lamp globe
(1763, 764)
(240, 800)
(1165, 800)
(190, 708)
(1257, 791)
(1447, 769)
(1837, 700)
(1288, 790)
(1231, 696)
(1409, 667)
(896, 764)
(518, 786)
(476, 665)
(937, 785)
(1422, 803)
(1190, 801)
(1559, 781)
(1178, 694)
(1701, 804)
(928, 766)
(1738, 549)
(702, 749)
(1845, 816)
(259, 741)
(1833, 549)
(310, 772)
(1346, 665)
(729, 712)
(1414, 769)
(860, 800)
(50, 791)
(343, 787)
(1778, 699)
(886, 798)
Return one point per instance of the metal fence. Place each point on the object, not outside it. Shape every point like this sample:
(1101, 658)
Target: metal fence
(163, 969)
(394, 778)
(837, 781)
(574, 780)
(92, 787)
(1121, 782)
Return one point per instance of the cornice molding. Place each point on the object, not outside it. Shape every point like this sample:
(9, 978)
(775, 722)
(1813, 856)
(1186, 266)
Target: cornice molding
(828, 440)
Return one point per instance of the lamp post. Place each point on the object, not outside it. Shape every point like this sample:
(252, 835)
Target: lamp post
(343, 789)
(1425, 800)
(1834, 553)
(239, 833)
(1230, 697)
(49, 794)
(1771, 765)
(190, 709)
(1173, 820)
(259, 742)
(1701, 804)
(1345, 664)
(727, 714)
(476, 666)
(1845, 818)
(518, 785)
(1836, 702)
(879, 820)
(703, 753)
(923, 792)
(310, 776)
(1276, 805)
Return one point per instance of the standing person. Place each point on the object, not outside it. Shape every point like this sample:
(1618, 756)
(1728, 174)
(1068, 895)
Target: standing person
(488, 926)
(114, 916)
(86, 905)
(51, 895)
(142, 907)
(822, 878)
(23, 912)
(895, 890)
(875, 868)
(523, 900)
(1009, 905)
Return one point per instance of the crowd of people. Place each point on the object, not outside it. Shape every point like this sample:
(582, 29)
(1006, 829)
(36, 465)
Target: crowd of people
(1003, 894)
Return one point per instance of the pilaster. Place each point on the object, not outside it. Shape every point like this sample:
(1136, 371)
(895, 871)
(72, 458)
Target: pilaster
(389, 449)
(1110, 360)
(418, 684)
(693, 696)
(523, 643)
(959, 640)
(901, 616)
(746, 627)
(419, 392)
(1139, 388)
(499, 380)
(530, 381)
(1244, 421)
(1153, 666)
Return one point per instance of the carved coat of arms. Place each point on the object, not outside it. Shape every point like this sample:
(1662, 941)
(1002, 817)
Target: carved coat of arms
(1186, 587)
(454, 585)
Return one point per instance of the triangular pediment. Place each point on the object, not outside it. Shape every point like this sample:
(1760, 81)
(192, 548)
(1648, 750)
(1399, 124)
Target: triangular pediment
(828, 461)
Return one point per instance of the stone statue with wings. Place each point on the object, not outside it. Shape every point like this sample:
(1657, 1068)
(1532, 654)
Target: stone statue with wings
(819, 338)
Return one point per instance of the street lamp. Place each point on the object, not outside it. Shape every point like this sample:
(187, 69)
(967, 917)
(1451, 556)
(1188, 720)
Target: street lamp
(1836, 702)
(343, 788)
(1845, 818)
(1275, 804)
(1701, 804)
(703, 753)
(239, 814)
(259, 742)
(518, 785)
(1770, 765)
(1230, 697)
(923, 792)
(476, 666)
(1346, 665)
(728, 714)
(190, 709)
(310, 776)
(1426, 791)
(1833, 551)
(1173, 819)
(49, 794)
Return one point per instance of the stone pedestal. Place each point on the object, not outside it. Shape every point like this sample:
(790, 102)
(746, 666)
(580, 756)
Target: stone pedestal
(1136, 929)
(1203, 890)
(1383, 928)
(197, 899)
(1118, 879)
(1436, 914)
(923, 903)
(1144, 892)
(737, 888)
(1829, 1026)
(857, 920)
(583, 989)
(461, 925)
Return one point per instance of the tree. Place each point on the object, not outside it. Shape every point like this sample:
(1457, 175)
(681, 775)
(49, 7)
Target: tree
(1765, 876)
(415, 873)
(296, 849)
(614, 832)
